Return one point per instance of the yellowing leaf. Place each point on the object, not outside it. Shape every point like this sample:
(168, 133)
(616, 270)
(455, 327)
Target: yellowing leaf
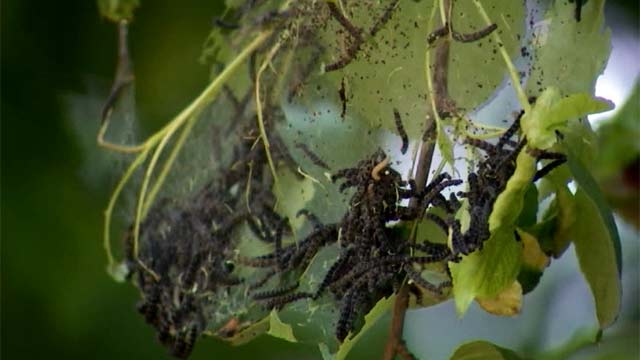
(506, 303)
(532, 254)
(484, 350)
(486, 272)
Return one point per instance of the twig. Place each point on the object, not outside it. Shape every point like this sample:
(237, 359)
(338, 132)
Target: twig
(399, 311)
(443, 103)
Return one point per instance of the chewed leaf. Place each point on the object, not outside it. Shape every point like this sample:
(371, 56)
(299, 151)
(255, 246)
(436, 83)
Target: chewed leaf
(506, 303)
(279, 329)
(369, 321)
(552, 113)
(483, 350)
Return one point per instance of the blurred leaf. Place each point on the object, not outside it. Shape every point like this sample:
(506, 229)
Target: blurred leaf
(580, 339)
(595, 247)
(618, 138)
(118, 271)
(561, 59)
(116, 10)
(551, 113)
(506, 303)
(483, 350)
(587, 184)
(250, 333)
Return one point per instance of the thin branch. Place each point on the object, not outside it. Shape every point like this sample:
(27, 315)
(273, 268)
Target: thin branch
(442, 104)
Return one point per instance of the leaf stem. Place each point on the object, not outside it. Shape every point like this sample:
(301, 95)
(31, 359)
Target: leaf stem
(165, 133)
(513, 73)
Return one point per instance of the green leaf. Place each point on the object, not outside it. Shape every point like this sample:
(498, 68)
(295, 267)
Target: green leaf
(561, 58)
(486, 272)
(445, 145)
(484, 350)
(250, 333)
(489, 271)
(279, 329)
(565, 214)
(580, 339)
(529, 212)
(551, 112)
(369, 321)
(588, 184)
(596, 251)
(389, 69)
(534, 262)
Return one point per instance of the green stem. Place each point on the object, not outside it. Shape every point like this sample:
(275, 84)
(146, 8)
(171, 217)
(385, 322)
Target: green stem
(513, 73)
(167, 131)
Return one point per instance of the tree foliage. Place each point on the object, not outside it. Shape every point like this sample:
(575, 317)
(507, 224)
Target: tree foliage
(299, 192)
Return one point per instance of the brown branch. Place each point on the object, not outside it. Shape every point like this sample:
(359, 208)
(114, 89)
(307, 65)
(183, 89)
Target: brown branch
(395, 332)
(124, 73)
(444, 105)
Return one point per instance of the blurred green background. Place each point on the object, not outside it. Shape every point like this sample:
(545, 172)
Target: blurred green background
(57, 300)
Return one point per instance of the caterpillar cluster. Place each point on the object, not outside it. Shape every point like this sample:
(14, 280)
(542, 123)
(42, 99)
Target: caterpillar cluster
(374, 258)
(188, 248)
